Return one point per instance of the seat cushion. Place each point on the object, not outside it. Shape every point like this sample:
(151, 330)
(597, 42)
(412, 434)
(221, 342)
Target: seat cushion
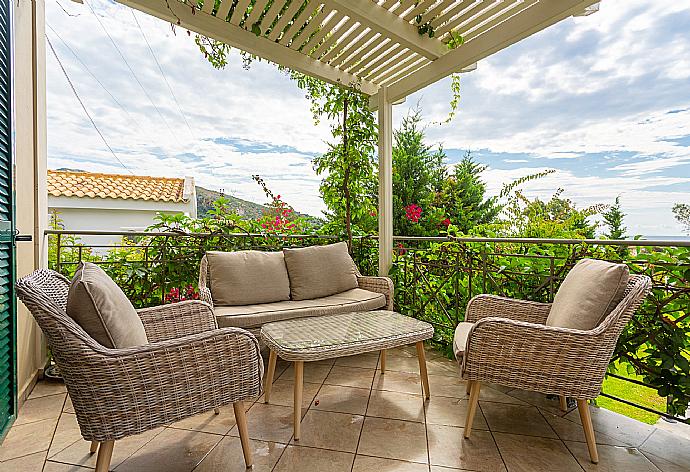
(462, 332)
(247, 277)
(319, 271)
(102, 309)
(590, 291)
(251, 316)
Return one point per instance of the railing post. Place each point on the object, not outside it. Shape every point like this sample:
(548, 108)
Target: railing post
(58, 254)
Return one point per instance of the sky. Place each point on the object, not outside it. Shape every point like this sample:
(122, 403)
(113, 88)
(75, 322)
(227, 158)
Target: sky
(602, 100)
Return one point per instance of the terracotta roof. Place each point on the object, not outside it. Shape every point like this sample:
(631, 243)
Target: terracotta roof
(126, 187)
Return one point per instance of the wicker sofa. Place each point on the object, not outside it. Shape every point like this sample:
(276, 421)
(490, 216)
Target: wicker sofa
(365, 294)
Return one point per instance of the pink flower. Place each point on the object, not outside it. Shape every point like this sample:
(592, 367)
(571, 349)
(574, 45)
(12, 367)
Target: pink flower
(413, 212)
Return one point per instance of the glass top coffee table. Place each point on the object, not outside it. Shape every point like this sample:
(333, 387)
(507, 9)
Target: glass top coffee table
(325, 337)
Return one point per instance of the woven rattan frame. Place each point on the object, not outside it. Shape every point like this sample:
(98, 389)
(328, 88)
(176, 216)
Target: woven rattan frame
(382, 285)
(510, 345)
(190, 366)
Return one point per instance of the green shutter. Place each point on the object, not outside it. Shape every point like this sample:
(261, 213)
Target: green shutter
(8, 376)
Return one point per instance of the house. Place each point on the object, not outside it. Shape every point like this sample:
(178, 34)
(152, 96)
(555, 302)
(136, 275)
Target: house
(82, 201)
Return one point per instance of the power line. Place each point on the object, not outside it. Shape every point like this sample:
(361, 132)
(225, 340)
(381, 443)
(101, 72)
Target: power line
(132, 71)
(86, 68)
(162, 73)
(74, 90)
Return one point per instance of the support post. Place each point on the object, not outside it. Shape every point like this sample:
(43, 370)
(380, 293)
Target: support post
(385, 110)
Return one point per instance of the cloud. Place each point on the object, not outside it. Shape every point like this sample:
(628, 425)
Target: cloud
(603, 99)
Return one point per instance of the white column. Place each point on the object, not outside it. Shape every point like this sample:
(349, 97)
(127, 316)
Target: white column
(385, 109)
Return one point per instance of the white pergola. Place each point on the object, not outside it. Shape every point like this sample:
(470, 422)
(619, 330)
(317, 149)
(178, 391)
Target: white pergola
(375, 45)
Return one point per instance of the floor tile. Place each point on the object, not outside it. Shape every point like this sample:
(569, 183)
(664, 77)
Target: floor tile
(30, 463)
(342, 399)
(209, 422)
(448, 448)
(173, 450)
(402, 364)
(303, 459)
(45, 388)
(78, 453)
(363, 361)
(540, 400)
(269, 423)
(404, 382)
(664, 465)
(535, 454)
(490, 394)
(330, 430)
(26, 439)
(570, 431)
(612, 459)
(396, 405)
(350, 377)
(283, 393)
(369, 464)
(444, 386)
(452, 412)
(628, 430)
(443, 366)
(394, 439)
(41, 408)
(66, 434)
(227, 456)
(68, 408)
(60, 467)
(516, 419)
(313, 373)
(671, 447)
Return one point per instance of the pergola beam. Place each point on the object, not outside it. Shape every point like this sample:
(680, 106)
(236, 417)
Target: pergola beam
(237, 37)
(390, 25)
(536, 18)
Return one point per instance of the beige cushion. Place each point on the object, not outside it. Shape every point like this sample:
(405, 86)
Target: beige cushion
(590, 291)
(101, 308)
(247, 277)
(250, 316)
(319, 271)
(460, 339)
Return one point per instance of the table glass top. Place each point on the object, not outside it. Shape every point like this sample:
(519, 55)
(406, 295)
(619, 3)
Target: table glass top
(337, 330)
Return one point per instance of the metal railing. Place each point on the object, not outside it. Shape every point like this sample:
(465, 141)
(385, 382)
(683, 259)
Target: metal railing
(434, 277)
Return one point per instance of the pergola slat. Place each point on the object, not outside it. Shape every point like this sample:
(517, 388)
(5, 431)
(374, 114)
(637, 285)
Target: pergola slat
(345, 28)
(254, 16)
(284, 19)
(387, 57)
(219, 29)
(449, 14)
(365, 52)
(310, 14)
(436, 10)
(533, 19)
(239, 11)
(391, 25)
(224, 9)
(271, 15)
(417, 10)
(326, 27)
(466, 13)
(353, 48)
(515, 9)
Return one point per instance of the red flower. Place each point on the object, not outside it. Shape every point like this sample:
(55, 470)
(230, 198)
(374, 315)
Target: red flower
(446, 222)
(413, 212)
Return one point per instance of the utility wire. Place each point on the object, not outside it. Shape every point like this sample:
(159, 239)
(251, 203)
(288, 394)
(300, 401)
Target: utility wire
(74, 90)
(131, 70)
(162, 73)
(86, 68)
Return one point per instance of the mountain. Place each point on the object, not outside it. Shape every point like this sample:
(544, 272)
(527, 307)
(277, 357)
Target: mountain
(206, 197)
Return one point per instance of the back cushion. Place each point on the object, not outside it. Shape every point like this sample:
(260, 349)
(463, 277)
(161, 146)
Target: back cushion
(101, 308)
(319, 271)
(590, 291)
(247, 277)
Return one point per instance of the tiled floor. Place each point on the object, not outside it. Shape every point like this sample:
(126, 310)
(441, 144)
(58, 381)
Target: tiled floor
(355, 419)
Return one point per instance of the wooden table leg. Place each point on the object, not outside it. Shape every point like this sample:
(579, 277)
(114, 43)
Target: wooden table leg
(299, 383)
(421, 356)
(268, 376)
(383, 361)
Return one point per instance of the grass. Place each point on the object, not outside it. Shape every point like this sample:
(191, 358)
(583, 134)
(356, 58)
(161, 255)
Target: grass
(631, 392)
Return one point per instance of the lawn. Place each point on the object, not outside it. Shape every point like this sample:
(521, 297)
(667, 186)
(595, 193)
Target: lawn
(631, 392)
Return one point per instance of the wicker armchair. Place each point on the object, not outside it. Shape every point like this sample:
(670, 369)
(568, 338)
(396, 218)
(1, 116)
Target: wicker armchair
(510, 345)
(190, 366)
